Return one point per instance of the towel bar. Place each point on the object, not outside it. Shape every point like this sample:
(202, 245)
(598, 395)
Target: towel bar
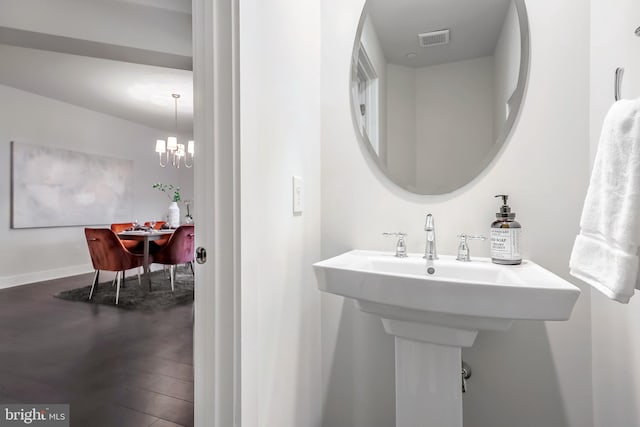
(617, 82)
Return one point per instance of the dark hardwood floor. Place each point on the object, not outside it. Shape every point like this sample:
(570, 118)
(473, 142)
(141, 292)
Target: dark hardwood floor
(116, 368)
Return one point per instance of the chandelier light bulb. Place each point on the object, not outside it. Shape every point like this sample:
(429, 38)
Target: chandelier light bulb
(161, 146)
(172, 143)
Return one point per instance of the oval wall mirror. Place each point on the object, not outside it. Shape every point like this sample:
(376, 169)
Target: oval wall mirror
(437, 85)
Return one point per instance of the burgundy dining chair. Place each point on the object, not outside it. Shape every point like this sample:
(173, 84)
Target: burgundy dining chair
(132, 245)
(178, 250)
(109, 254)
(155, 245)
(157, 226)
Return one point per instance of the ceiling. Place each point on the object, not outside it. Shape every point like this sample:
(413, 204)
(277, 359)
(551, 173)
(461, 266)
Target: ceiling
(90, 61)
(475, 28)
(174, 5)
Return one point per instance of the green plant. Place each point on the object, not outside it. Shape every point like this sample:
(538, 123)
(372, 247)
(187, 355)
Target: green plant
(172, 192)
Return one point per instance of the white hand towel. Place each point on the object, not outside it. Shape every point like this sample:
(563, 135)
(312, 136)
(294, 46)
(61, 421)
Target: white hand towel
(605, 253)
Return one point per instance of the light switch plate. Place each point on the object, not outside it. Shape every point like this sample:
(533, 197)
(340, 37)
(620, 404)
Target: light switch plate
(298, 195)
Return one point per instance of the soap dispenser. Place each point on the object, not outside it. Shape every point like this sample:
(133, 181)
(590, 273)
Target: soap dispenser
(505, 236)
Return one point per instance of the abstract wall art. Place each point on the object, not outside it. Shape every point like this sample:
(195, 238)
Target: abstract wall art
(51, 187)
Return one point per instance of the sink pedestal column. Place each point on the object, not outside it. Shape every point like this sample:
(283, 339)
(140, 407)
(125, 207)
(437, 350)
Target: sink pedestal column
(428, 385)
(428, 373)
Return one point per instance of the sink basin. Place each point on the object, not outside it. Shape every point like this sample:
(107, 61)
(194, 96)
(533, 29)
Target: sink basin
(433, 316)
(470, 295)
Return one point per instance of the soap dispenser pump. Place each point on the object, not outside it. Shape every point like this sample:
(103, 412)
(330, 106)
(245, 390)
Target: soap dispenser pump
(505, 236)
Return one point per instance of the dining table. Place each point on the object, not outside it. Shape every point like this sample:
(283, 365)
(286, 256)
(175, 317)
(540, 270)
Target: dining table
(145, 236)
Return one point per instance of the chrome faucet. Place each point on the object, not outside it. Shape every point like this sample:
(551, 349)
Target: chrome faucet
(430, 247)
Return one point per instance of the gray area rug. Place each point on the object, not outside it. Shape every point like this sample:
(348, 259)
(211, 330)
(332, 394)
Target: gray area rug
(132, 297)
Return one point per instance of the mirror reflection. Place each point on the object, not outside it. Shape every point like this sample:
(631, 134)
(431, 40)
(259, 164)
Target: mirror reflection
(436, 86)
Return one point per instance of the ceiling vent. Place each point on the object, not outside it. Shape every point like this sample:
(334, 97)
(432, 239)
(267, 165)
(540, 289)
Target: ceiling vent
(434, 38)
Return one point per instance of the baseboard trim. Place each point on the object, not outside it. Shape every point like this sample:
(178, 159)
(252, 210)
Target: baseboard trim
(39, 276)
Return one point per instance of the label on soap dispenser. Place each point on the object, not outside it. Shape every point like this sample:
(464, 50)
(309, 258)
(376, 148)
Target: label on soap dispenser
(505, 243)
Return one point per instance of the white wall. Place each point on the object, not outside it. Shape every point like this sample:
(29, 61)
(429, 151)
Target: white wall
(37, 254)
(616, 327)
(536, 374)
(138, 26)
(401, 123)
(424, 112)
(453, 120)
(280, 137)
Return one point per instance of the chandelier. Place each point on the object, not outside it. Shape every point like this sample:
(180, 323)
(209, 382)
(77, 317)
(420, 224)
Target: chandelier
(170, 150)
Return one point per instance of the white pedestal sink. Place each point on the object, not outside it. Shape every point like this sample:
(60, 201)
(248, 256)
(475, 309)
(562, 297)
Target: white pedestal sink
(433, 316)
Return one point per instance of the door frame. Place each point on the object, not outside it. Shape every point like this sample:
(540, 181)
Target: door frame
(217, 212)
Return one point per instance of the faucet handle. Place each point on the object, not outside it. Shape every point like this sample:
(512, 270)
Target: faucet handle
(463, 247)
(401, 246)
(466, 237)
(398, 234)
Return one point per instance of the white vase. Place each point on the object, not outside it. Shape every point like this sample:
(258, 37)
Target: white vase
(173, 218)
